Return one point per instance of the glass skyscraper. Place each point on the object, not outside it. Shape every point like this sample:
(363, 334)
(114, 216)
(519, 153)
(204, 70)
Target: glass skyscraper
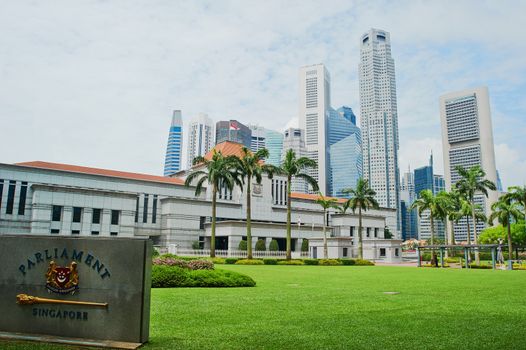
(345, 151)
(274, 144)
(172, 161)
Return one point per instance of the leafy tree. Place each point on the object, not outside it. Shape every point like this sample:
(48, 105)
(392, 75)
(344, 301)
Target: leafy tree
(221, 172)
(518, 194)
(273, 246)
(294, 168)
(361, 198)
(436, 206)
(326, 203)
(491, 235)
(503, 211)
(260, 245)
(251, 167)
(305, 245)
(472, 181)
(242, 245)
(387, 233)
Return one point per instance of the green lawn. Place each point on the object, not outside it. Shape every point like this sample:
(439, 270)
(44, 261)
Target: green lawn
(344, 307)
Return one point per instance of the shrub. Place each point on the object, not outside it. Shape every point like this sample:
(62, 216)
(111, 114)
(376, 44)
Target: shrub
(310, 261)
(196, 245)
(168, 255)
(201, 265)
(270, 261)
(452, 260)
(273, 246)
(170, 262)
(348, 262)
(155, 253)
(329, 262)
(260, 246)
(434, 266)
(172, 276)
(481, 266)
(242, 245)
(216, 260)
(305, 245)
(290, 262)
(362, 262)
(249, 262)
(231, 261)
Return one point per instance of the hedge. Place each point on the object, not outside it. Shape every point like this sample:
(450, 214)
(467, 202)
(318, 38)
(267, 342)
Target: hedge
(260, 246)
(273, 246)
(231, 261)
(362, 262)
(249, 262)
(329, 262)
(173, 277)
(270, 261)
(290, 262)
(348, 262)
(242, 245)
(311, 261)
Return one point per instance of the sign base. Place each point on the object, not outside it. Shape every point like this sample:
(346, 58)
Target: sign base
(6, 336)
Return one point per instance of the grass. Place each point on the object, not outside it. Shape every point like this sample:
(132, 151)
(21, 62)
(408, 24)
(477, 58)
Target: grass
(319, 307)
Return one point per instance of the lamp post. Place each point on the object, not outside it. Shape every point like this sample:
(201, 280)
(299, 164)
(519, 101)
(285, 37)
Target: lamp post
(299, 233)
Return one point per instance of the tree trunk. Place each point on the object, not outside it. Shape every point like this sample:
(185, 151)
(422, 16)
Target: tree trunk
(452, 232)
(510, 248)
(289, 200)
(469, 231)
(213, 233)
(475, 240)
(325, 248)
(360, 241)
(249, 224)
(433, 254)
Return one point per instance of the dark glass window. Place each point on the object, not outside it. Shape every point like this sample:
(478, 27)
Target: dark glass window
(202, 221)
(10, 197)
(56, 213)
(154, 209)
(77, 214)
(376, 232)
(368, 231)
(75, 232)
(382, 251)
(95, 233)
(115, 217)
(137, 210)
(114, 233)
(96, 216)
(351, 233)
(1, 191)
(54, 230)
(345, 252)
(145, 209)
(22, 199)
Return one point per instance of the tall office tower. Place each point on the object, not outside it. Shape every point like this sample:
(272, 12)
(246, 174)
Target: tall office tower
(274, 144)
(499, 183)
(257, 140)
(347, 113)
(426, 180)
(315, 101)
(172, 161)
(294, 139)
(200, 137)
(345, 152)
(232, 130)
(408, 217)
(467, 140)
(379, 117)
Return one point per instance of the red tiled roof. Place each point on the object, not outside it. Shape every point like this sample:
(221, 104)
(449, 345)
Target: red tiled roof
(101, 172)
(312, 197)
(227, 148)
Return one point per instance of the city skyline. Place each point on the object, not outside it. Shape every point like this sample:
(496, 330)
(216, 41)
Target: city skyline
(95, 78)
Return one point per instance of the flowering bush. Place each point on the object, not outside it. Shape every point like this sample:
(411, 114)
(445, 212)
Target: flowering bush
(200, 265)
(169, 261)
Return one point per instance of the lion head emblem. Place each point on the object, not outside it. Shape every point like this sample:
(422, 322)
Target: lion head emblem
(62, 280)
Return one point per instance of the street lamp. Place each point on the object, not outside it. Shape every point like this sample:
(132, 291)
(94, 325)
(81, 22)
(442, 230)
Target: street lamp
(299, 231)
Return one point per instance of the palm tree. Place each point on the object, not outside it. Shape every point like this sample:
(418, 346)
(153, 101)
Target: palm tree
(251, 166)
(435, 205)
(221, 172)
(504, 210)
(518, 194)
(326, 203)
(293, 167)
(472, 182)
(362, 198)
(453, 205)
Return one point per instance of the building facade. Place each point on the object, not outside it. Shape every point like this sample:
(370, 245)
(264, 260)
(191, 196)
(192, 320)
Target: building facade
(274, 144)
(174, 148)
(200, 137)
(294, 139)
(232, 130)
(314, 105)
(467, 140)
(258, 137)
(409, 220)
(379, 116)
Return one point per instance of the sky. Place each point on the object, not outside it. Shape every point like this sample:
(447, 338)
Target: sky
(94, 83)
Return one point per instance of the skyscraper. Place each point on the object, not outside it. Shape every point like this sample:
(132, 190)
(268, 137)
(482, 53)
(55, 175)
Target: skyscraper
(409, 222)
(274, 144)
(232, 130)
(467, 140)
(315, 101)
(345, 151)
(257, 140)
(295, 141)
(200, 137)
(379, 117)
(172, 162)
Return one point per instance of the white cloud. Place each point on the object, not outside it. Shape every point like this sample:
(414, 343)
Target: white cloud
(414, 153)
(511, 165)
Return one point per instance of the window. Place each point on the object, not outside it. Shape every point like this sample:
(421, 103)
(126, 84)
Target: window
(202, 221)
(145, 209)
(75, 232)
(95, 219)
(368, 232)
(1, 191)
(77, 214)
(396, 252)
(22, 199)
(382, 252)
(10, 197)
(115, 214)
(95, 233)
(55, 231)
(376, 232)
(113, 233)
(351, 231)
(137, 210)
(56, 213)
(345, 252)
(154, 209)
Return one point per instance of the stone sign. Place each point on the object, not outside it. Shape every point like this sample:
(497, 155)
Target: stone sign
(90, 288)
